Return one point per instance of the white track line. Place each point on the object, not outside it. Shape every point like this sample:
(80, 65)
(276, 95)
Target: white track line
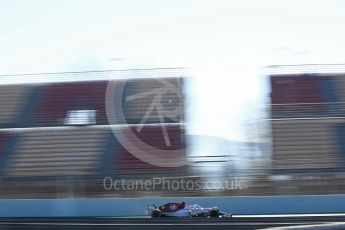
(151, 224)
(291, 215)
(311, 227)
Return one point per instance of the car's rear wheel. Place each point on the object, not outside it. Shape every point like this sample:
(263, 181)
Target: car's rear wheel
(156, 213)
(214, 213)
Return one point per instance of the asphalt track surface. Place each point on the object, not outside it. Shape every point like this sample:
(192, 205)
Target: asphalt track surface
(166, 223)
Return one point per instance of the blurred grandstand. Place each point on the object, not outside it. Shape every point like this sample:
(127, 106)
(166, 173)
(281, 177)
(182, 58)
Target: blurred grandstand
(307, 120)
(56, 139)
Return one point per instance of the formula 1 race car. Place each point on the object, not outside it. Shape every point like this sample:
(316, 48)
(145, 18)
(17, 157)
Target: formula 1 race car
(182, 209)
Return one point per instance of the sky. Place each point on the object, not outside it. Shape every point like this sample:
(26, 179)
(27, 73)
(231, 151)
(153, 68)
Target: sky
(225, 44)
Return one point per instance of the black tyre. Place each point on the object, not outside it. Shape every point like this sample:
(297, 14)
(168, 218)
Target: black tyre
(214, 213)
(156, 213)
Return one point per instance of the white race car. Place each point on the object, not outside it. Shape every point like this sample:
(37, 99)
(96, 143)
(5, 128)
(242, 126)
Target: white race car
(182, 209)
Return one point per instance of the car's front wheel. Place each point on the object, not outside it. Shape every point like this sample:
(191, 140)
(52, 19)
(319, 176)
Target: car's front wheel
(156, 213)
(214, 213)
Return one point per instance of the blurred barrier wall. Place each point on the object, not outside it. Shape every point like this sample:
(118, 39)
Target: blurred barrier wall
(136, 206)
